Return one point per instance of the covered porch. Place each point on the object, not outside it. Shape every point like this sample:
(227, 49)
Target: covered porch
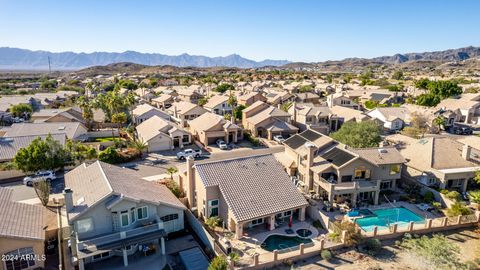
(266, 223)
(354, 193)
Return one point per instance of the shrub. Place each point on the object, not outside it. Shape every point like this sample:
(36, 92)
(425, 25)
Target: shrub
(372, 246)
(213, 222)
(335, 237)
(453, 195)
(437, 249)
(437, 205)
(110, 155)
(474, 196)
(458, 209)
(326, 255)
(444, 191)
(218, 263)
(251, 139)
(317, 224)
(428, 197)
(352, 237)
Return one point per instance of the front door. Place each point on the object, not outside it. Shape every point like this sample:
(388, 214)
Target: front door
(176, 142)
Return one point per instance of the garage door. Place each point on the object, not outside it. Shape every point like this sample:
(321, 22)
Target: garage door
(214, 140)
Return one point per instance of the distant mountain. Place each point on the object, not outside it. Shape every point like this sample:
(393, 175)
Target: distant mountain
(441, 56)
(21, 59)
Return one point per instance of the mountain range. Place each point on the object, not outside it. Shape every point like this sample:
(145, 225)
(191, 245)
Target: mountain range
(22, 59)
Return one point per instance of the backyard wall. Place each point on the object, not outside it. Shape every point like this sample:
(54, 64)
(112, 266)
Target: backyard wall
(201, 232)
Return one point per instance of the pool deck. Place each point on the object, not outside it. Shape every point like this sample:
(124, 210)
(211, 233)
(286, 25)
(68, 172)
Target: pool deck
(250, 243)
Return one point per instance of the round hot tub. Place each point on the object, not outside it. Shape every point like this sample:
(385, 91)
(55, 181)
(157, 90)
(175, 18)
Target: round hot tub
(304, 233)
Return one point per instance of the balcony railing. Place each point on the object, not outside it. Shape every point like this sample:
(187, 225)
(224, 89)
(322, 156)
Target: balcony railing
(354, 185)
(110, 238)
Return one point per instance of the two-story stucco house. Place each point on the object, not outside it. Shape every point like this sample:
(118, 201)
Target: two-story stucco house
(113, 212)
(145, 111)
(218, 104)
(182, 112)
(338, 173)
(245, 193)
(267, 121)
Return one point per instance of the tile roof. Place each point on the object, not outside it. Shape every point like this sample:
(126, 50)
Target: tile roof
(144, 108)
(252, 186)
(215, 101)
(208, 120)
(93, 183)
(380, 156)
(183, 107)
(20, 220)
(10, 145)
(27, 129)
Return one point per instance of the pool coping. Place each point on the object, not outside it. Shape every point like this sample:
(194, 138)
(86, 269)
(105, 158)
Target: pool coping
(387, 227)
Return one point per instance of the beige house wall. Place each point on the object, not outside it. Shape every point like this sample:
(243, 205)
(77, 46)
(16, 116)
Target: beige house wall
(10, 244)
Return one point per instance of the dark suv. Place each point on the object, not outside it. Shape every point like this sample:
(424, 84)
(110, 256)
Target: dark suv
(461, 130)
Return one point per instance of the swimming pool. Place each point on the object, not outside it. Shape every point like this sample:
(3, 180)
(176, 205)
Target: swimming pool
(384, 217)
(279, 242)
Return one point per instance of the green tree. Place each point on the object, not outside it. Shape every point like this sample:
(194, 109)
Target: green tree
(439, 121)
(359, 135)
(87, 110)
(224, 87)
(46, 154)
(202, 101)
(42, 189)
(119, 119)
(476, 179)
(139, 145)
(397, 75)
(305, 88)
(218, 263)
(48, 84)
(171, 171)
(20, 110)
(110, 155)
(238, 111)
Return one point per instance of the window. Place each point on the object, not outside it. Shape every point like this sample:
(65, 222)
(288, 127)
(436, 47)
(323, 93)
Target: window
(169, 217)
(386, 185)
(186, 138)
(124, 219)
(395, 169)
(84, 225)
(142, 212)
(256, 222)
(362, 173)
(432, 181)
(213, 206)
(346, 178)
(287, 213)
(21, 258)
(132, 215)
(101, 256)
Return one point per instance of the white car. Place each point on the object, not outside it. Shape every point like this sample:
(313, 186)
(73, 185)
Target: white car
(279, 139)
(222, 145)
(39, 176)
(189, 153)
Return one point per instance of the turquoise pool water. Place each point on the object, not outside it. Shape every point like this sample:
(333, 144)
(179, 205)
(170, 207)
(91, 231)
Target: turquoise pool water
(282, 241)
(384, 217)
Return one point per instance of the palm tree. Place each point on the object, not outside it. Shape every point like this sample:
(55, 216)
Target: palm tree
(139, 145)
(440, 122)
(87, 110)
(119, 118)
(232, 102)
(171, 171)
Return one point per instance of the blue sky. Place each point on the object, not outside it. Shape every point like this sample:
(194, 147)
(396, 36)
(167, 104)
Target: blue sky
(302, 30)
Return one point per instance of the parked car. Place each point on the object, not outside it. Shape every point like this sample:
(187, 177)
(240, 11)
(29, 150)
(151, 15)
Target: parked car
(39, 176)
(222, 144)
(279, 139)
(189, 153)
(460, 130)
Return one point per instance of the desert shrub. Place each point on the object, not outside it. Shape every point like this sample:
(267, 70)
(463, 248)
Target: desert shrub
(218, 263)
(453, 195)
(372, 246)
(428, 197)
(444, 191)
(213, 222)
(474, 196)
(353, 236)
(251, 139)
(436, 249)
(317, 224)
(437, 205)
(458, 209)
(335, 237)
(326, 254)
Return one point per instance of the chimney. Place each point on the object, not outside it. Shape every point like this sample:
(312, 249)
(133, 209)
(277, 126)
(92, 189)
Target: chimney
(68, 195)
(190, 181)
(309, 163)
(294, 108)
(466, 151)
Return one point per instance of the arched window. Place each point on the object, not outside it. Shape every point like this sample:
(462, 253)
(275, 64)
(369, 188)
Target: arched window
(18, 259)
